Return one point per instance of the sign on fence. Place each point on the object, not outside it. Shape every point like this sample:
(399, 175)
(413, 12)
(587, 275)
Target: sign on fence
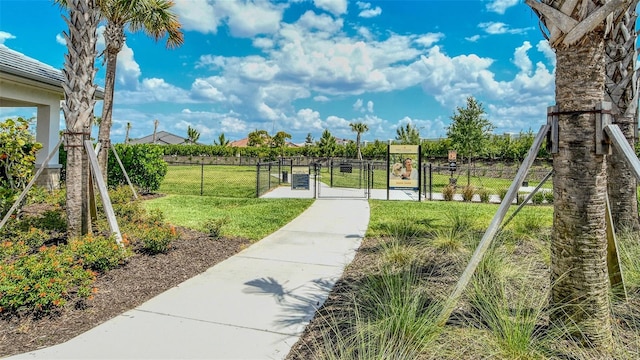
(299, 178)
(404, 161)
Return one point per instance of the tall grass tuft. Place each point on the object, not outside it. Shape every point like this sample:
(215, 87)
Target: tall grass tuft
(468, 192)
(509, 308)
(448, 192)
(629, 247)
(392, 319)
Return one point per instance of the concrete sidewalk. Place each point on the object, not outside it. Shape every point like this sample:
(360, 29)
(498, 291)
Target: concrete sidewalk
(254, 305)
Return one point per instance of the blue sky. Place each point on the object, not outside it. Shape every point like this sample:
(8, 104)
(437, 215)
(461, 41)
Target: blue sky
(303, 66)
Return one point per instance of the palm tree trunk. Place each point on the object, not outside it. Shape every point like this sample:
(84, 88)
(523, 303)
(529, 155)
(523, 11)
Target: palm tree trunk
(126, 135)
(622, 92)
(79, 72)
(580, 283)
(114, 37)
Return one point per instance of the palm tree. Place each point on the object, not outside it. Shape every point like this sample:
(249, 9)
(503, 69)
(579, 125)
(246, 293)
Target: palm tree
(222, 141)
(408, 135)
(155, 130)
(258, 138)
(622, 91)
(79, 89)
(156, 19)
(192, 135)
(359, 128)
(579, 278)
(126, 135)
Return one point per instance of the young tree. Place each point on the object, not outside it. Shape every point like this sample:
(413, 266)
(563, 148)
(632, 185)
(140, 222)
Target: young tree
(579, 276)
(308, 140)
(156, 19)
(469, 130)
(359, 128)
(192, 135)
(408, 135)
(327, 144)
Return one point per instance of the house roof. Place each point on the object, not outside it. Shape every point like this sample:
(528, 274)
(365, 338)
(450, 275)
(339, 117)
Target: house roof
(23, 67)
(162, 138)
(240, 143)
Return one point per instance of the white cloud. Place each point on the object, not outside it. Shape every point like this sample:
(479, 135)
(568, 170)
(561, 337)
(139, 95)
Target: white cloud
(498, 28)
(367, 11)
(128, 71)
(336, 7)
(323, 22)
(204, 90)
(500, 6)
(244, 18)
(521, 59)
(427, 40)
(321, 98)
(357, 106)
(473, 38)
(370, 106)
(59, 39)
(544, 47)
(4, 36)
(197, 15)
(263, 43)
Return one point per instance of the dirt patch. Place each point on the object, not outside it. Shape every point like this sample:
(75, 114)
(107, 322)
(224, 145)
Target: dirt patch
(119, 290)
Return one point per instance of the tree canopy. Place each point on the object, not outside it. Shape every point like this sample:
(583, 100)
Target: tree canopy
(469, 131)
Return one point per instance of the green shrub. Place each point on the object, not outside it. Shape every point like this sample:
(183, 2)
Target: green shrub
(214, 227)
(157, 239)
(548, 196)
(448, 192)
(144, 165)
(502, 193)
(18, 149)
(99, 253)
(43, 281)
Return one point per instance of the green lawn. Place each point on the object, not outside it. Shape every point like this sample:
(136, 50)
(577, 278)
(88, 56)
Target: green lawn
(211, 180)
(247, 218)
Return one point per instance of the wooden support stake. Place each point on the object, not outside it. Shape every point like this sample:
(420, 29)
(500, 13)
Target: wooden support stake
(616, 280)
(30, 184)
(493, 227)
(124, 171)
(526, 200)
(104, 194)
(620, 143)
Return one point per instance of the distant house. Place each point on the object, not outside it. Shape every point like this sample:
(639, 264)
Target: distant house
(161, 138)
(240, 143)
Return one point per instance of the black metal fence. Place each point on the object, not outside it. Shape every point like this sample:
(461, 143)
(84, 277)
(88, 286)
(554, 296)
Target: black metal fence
(483, 183)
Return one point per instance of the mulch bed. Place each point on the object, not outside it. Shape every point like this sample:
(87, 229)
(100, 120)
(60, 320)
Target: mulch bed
(119, 290)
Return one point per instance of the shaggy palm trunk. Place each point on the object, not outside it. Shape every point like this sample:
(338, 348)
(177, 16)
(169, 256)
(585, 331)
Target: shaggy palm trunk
(622, 92)
(114, 38)
(580, 283)
(79, 72)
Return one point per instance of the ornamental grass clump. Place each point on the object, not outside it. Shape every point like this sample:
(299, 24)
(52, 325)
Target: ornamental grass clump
(448, 192)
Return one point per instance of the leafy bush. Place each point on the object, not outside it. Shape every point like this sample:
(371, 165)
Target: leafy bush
(214, 226)
(448, 192)
(18, 149)
(144, 165)
(157, 239)
(548, 196)
(43, 281)
(99, 253)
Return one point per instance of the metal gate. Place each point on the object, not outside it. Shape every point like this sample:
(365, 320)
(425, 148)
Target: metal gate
(344, 179)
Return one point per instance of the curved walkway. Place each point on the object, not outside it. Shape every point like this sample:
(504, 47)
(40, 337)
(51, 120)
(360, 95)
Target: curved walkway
(254, 305)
